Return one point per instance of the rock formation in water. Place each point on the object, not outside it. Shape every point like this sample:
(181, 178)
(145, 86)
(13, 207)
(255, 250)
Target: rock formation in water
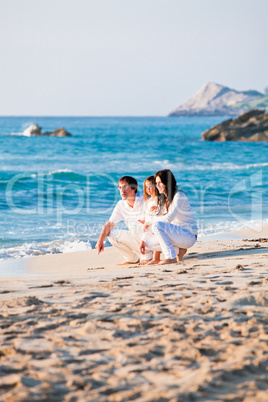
(250, 126)
(34, 129)
(217, 100)
(59, 132)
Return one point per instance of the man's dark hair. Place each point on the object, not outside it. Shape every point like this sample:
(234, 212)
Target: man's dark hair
(131, 181)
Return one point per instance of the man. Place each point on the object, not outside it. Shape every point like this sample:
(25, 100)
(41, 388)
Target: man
(129, 210)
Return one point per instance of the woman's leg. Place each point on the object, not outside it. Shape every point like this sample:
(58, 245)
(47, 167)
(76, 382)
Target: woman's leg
(181, 253)
(169, 236)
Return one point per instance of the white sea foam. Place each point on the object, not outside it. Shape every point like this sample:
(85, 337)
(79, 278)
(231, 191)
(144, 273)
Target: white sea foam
(165, 164)
(24, 134)
(112, 166)
(34, 175)
(232, 166)
(26, 130)
(59, 171)
(227, 229)
(217, 231)
(176, 166)
(35, 249)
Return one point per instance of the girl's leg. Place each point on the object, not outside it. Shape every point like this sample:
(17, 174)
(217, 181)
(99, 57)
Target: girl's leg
(144, 262)
(156, 258)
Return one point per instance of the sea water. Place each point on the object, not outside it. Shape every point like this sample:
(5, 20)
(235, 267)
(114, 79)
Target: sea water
(56, 193)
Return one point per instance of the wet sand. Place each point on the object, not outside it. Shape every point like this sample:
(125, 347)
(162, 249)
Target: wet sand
(76, 327)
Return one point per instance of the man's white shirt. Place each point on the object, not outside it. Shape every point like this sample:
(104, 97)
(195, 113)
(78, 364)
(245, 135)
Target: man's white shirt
(124, 212)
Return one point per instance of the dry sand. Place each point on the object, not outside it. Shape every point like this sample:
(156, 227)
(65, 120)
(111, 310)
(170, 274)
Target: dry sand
(76, 327)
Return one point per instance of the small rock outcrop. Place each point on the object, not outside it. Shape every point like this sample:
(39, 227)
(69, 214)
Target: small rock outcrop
(34, 129)
(59, 132)
(250, 126)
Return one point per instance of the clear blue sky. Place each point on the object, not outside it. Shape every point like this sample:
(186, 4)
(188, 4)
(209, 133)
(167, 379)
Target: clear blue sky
(126, 57)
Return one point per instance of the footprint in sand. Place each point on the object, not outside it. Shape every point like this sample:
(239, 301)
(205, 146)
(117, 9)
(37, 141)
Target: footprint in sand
(62, 282)
(91, 269)
(252, 283)
(258, 299)
(119, 278)
(42, 286)
(24, 302)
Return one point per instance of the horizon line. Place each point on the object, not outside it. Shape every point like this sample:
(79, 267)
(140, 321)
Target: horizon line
(116, 116)
(70, 115)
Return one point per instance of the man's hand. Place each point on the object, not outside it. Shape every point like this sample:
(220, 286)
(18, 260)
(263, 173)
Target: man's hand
(104, 233)
(142, 247)
(99, 247)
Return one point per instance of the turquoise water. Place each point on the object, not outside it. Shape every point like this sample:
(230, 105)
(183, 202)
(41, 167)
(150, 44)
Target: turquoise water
(56, 193)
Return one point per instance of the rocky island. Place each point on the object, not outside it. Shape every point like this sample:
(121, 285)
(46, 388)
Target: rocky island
(250, 126)
(35, 130)
(218, 100)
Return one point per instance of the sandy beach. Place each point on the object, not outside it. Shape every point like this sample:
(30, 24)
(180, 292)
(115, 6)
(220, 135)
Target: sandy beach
(76, 327)
(138, 127)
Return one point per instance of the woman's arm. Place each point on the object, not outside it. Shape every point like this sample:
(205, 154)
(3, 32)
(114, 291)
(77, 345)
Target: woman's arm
(175, 207)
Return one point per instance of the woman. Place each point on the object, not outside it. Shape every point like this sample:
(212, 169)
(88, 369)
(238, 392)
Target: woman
(177, 228)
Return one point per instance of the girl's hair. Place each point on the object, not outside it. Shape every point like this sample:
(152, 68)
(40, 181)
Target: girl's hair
(151, 180)
(168, 179)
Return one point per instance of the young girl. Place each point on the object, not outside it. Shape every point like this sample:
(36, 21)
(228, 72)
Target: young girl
(151, 210)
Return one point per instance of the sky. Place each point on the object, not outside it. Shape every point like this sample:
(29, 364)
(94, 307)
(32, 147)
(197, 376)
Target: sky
(126, 57)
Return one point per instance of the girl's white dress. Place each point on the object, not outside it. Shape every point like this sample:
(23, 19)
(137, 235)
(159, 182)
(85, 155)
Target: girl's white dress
(150, 215)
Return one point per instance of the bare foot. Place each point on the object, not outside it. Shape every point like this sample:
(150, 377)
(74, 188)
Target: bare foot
(144, 262)
(182, 251)
(153, 262)
(168, 261)
(128, 263)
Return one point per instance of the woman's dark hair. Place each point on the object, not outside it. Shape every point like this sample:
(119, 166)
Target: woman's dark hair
(168, 179)
(131, 181)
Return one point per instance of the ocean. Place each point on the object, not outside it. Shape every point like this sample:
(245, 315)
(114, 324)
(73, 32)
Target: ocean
(56, 193)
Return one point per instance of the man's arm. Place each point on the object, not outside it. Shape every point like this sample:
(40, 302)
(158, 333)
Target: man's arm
(104, 233)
